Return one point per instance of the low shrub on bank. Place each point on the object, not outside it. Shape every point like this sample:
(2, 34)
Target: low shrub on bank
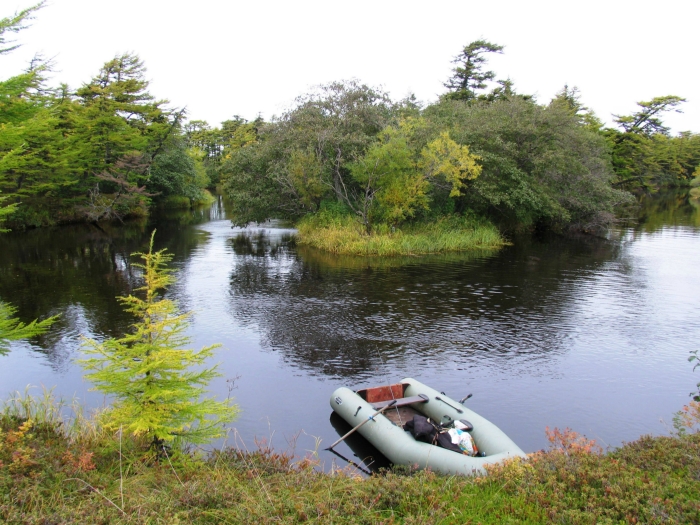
(651, 480)
(49, 474)
(342, 234)
(59, 473)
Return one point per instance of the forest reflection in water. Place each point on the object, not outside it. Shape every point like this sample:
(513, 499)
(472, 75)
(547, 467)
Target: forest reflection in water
(345, 316)
(77, 272)
(588, 333)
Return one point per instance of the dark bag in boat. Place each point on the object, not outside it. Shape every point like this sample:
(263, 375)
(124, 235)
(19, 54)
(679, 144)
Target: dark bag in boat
(422, 429)
(444, 440)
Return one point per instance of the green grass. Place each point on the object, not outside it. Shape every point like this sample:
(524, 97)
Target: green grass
(342, 234)
(54, 473)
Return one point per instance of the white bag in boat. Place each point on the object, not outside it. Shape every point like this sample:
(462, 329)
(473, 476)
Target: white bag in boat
(464, 440)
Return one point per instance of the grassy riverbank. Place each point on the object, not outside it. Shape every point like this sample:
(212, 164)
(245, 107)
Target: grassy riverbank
(342, 234)
(50, 473)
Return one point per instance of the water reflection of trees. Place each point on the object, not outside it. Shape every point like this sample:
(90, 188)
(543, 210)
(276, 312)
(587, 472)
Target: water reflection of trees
(669, 208)
(349, 317)
(78, 271)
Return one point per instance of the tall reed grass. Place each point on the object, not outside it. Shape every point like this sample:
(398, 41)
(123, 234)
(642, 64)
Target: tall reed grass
(342, 234)
(48, 411)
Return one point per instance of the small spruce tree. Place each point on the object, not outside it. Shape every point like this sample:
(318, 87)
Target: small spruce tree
(157, 385)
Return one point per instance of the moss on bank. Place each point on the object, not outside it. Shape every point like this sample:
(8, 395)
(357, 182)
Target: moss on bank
(342, 234)
(54, 474)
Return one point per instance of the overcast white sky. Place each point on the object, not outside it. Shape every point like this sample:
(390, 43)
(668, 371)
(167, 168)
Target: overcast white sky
(225, 57)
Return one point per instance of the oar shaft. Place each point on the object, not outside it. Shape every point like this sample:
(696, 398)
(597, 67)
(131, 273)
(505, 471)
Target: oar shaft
(362, 423)
(350, 461)
(459, 410)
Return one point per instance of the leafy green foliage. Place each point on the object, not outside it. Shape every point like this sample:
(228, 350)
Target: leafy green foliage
(695, 356)
(109, 149)
(302, 158)
(349, 143)
(540, 166)
(157, 393)
(500, 154)
(121, 116)
(445, 159)
(28, 141)
(254, 194)
(653, 161)
(122, 131)
(214, 146)
(396, 175)
(177, 171)
(569, 100)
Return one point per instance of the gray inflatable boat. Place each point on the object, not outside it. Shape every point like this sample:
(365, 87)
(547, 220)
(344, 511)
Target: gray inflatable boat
(385, 431)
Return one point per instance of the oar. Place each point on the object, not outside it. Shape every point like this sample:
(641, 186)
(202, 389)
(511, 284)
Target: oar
(461, 401)
(350, 461)
(459, 410)
(363, 422)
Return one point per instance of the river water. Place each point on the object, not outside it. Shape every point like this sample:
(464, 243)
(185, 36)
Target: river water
(587, 333)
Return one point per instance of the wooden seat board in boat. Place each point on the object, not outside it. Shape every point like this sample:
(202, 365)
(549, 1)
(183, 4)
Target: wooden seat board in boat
(402, 401)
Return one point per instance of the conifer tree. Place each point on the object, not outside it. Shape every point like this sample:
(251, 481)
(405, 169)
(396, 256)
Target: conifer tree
(469, 77)
(15, 24)
(12, 329)
(157, 385)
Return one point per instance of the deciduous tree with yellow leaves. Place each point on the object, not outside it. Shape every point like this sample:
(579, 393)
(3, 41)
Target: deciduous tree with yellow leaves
(396, 176)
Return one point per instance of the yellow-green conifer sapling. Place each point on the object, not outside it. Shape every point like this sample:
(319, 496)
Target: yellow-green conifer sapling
(158, 387)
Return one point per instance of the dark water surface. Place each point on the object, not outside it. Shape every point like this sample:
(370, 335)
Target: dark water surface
(592, 334)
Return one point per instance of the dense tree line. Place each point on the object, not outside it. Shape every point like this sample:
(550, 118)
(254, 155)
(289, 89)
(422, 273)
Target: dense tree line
(644, 154)
(105, 150)
(485, 150)
(109, 149)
